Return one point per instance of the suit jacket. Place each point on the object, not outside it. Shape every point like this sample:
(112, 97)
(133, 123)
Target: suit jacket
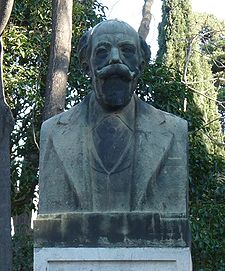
(159, 171)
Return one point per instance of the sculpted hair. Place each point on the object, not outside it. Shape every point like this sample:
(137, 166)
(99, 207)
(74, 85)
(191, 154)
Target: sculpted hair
(84, 49)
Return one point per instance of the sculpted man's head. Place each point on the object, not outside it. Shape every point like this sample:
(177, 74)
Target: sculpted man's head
(113, 55)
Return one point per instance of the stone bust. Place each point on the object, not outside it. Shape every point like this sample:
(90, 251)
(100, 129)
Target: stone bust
(113, 152)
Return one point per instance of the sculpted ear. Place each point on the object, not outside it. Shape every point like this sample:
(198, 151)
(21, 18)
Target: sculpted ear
(145, 52)
(83, 52)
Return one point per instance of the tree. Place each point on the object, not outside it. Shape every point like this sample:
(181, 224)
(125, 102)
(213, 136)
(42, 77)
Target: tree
(180, 51)
(181, 82)
(212, 45)
(6, 125)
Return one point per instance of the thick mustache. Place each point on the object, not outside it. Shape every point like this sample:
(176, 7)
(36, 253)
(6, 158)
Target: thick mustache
(115, 69)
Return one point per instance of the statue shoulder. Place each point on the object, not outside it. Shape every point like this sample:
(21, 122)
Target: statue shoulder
(177, 126)
(169, 121)
(48, 127)
(73, 115)
(175, 122)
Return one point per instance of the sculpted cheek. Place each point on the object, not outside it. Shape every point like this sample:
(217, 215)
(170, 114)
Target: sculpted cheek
(98, 63)
(133, 64)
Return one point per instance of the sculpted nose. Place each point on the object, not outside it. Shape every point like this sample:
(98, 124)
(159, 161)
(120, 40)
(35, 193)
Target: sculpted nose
(115, 56)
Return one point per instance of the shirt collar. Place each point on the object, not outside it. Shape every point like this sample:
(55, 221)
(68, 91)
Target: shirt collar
(97, 113)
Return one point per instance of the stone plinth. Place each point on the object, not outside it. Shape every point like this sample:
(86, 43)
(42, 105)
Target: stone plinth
(112, 259)
(124, 229)
(127, 241)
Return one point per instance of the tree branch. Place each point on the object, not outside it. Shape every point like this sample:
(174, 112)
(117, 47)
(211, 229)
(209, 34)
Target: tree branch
(33, 129)
(204, 95)
(205, 125)
(146, 19)
(218, 143)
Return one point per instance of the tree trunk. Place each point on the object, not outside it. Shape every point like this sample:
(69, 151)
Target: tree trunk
(59, 58)
(6, 125)
(146, 19)
(5, 11)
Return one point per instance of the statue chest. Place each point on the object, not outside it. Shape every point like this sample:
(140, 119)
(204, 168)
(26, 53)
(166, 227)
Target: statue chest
(111, 162)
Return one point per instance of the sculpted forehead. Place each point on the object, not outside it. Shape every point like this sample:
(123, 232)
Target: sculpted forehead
(114, 30)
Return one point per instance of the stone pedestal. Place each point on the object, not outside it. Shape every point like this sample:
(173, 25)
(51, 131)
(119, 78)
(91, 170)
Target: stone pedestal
(112, 259)
(125, 241)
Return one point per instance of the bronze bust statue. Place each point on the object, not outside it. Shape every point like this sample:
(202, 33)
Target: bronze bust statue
(113, 152)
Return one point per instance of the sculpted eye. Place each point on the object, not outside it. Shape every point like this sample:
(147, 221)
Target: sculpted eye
(128, 49)
(101, 52)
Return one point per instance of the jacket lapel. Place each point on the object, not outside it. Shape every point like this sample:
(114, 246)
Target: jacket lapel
(70, 142)
(152, 144)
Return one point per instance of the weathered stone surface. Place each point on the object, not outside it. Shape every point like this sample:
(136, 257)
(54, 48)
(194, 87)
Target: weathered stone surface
(113, 259)
(111, 230)
(157, 169)
(113, 152)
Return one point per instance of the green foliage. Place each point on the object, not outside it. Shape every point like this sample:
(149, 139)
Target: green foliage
(181, 82)
(22, 252)
(26, 51)
(207, 220)
(212, 44)
(27, 44)
(163, 88)
(174, 24)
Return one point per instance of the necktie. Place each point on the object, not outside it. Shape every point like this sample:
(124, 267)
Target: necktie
(111, 139)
